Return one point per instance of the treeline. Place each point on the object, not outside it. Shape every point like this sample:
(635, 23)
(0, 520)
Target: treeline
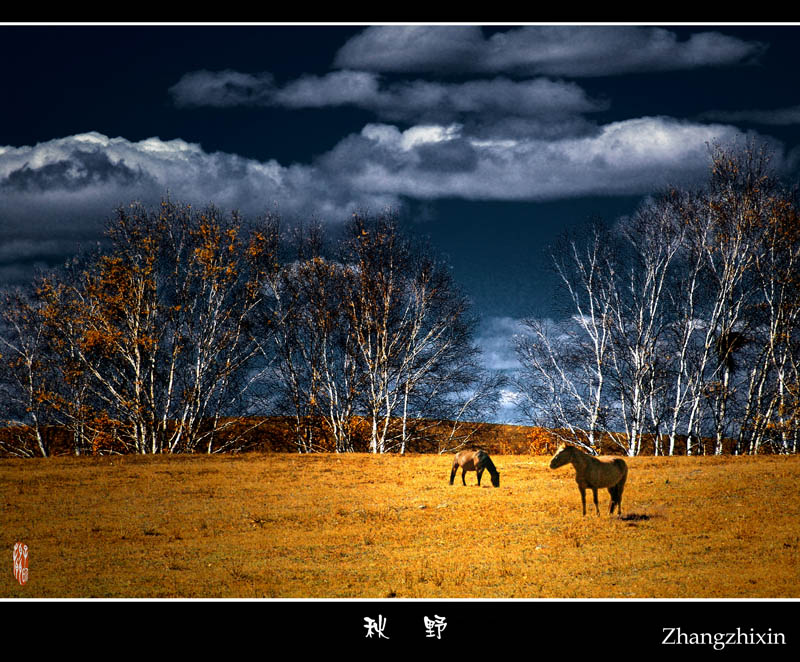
(682, 322)
(188, 322)
(276, 434)
(189, 329)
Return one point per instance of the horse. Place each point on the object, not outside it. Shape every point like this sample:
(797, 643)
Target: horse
(594, 473)
(477, 461)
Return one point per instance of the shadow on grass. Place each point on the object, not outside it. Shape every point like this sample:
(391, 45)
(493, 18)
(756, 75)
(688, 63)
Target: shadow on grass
(634, 517)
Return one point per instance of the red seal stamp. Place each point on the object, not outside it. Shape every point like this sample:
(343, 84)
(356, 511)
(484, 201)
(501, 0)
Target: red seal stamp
(21, 562)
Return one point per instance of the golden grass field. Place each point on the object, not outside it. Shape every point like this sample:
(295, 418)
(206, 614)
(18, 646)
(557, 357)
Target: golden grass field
(275, 525)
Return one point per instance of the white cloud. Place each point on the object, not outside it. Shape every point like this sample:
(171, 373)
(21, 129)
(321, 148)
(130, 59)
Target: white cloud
(62, 191)
(69, 172)
(495, 338)
(538, 50)
(68, 184)
(334, 89)
(413, 48)
(408, 100)
(628, 157)
(393, 138)
(509, 398)
(57, 195)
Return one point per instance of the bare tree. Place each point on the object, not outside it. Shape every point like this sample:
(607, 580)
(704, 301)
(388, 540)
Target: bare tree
(639, 312)
(315, 366)
(26, 374)
(371, 328)
(411, 332)
(567, 375)
(771, 349)
(683, 321)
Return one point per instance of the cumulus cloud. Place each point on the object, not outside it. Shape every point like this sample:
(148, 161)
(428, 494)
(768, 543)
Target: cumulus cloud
(539, 50)
(372, 168)
(628, 157)
(70, 172)
(57, 194)
(64, 189)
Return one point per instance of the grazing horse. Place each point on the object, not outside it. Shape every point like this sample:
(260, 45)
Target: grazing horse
(474, 461)
(594, 473)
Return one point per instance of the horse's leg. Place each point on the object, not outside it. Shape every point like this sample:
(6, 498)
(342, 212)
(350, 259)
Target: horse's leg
(453, 472)
(620, 486)
(582, 488)
(594, 495)
(616, 496)
(463, 473)
(480, 473)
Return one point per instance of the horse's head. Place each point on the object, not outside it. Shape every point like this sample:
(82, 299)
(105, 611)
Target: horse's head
(496, 479)
(563, 456)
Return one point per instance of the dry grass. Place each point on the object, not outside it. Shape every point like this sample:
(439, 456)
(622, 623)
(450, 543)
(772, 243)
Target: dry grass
(362, 526)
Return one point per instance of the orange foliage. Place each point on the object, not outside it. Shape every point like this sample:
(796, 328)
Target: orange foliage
(541, 441)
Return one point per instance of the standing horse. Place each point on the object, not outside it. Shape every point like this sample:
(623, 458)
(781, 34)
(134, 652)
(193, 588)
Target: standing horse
(594, 473)
(474, 461)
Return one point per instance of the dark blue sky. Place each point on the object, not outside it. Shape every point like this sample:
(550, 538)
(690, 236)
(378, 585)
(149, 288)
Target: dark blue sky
(490, 141)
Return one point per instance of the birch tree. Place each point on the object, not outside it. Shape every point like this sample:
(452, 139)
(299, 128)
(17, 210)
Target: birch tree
(158, 324)
(411, 332)
(683, 320)
(370, 326)
(315, 367)
(639, 319)
(568, 372)
(26, 372)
